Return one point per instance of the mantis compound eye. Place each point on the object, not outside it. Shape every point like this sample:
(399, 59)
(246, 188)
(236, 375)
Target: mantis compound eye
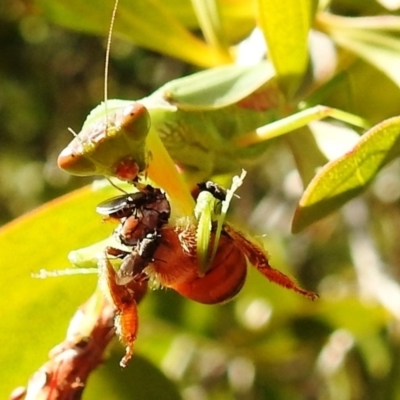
(135, 121)
(72, 160)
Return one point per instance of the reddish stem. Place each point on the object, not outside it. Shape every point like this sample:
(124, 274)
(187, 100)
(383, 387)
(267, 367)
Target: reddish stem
(64, 375)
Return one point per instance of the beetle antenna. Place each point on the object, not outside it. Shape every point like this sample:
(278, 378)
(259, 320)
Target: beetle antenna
(107, 63)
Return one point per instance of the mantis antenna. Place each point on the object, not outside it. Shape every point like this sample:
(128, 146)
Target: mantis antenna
(115, 186)
(106, 67)
(107, 63)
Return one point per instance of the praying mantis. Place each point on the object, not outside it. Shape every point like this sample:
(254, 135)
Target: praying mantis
(206, 124)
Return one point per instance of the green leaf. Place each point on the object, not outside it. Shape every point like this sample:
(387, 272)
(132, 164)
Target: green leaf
(147, 23)
(286, 24)
(217, 87)
(369, 38)
(380, 50)
(305, 151)
(382, 23)
(35, 313)
(209, 17)
(342, 179)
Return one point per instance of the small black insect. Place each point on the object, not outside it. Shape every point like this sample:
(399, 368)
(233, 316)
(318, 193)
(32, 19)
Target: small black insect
(140, 213)
(127, 204)
(136, 261)
(216, 190)
(150, 218)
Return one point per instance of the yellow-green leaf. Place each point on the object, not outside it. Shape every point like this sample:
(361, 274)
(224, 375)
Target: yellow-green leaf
(35, 313)
(286, 24)
(371, 39)
(344, 178)
(147, 23)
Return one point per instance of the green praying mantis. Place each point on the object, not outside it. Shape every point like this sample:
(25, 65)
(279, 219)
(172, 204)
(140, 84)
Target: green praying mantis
(206, 124)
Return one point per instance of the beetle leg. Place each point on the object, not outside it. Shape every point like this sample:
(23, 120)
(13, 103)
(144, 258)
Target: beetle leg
(125, 273)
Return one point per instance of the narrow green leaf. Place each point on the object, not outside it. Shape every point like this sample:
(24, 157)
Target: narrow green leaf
(286, 24)
(382, 23)
(370, 38)
(379, 49)
(237, 17)
(147, 23)
(307, 155)
(209, 17)
(341, 180)
(216, 87)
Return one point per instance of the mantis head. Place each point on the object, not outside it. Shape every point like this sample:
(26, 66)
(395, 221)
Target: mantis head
(112, 142)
